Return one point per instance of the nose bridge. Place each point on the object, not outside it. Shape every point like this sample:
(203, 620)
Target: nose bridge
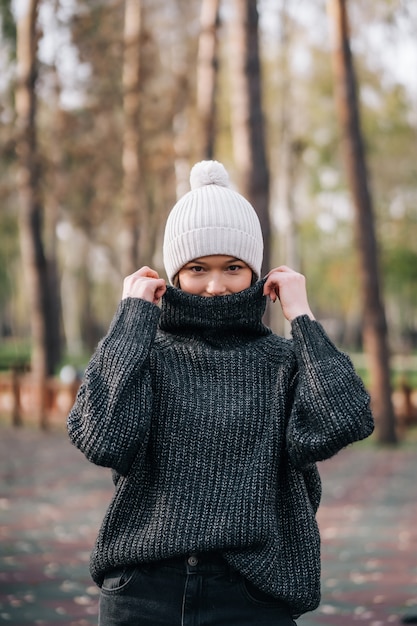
(215, 283)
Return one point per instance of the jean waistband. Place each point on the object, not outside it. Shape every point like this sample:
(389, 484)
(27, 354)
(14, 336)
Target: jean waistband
(197, 562)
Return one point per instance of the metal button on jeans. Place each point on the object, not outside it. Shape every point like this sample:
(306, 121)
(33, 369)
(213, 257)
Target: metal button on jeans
(192, 560)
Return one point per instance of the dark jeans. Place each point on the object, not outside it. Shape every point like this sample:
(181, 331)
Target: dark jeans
(197, 590)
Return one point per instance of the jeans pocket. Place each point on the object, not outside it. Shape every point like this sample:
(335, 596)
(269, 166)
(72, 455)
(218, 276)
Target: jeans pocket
(255, 595)
(118, 579)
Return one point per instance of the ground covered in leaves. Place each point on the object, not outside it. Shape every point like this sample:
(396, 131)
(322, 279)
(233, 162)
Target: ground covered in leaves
(52, 502)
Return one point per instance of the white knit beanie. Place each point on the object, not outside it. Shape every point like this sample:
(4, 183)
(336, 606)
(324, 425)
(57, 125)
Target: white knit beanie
(211, 219)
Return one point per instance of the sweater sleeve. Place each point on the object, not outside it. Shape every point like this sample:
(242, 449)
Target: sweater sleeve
(331, 406)
(110, 419)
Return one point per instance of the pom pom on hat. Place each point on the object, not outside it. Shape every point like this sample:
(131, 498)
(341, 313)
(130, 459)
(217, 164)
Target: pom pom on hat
(209, 173)
(210, 219)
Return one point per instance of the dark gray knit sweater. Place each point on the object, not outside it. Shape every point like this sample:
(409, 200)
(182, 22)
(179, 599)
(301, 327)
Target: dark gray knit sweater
(212, 426)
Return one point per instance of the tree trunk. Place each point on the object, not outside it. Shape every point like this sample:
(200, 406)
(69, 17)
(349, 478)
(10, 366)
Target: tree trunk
(40, 296)
(287, 161)
(288, 152)
(131, 138)
(375, 334)
(207, 68)
(53, 202)
(246, 115)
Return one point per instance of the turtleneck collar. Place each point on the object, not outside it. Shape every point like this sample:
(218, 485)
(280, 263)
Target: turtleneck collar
(219, 317)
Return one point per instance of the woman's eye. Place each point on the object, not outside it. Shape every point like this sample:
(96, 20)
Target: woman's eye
(196, 268)
(234, 268)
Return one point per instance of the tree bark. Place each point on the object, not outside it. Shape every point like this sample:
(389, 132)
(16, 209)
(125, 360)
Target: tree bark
(247, 117)
(289, 150)
(40, 296)
(375, 332)
(207, 69)
(131, 137)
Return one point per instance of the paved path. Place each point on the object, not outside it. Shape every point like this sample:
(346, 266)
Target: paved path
(52, 501)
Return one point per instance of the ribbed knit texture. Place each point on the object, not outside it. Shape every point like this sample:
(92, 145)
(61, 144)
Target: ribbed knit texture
(213, 426)
(212, 220)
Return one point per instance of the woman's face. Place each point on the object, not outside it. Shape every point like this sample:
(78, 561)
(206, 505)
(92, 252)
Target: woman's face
(215, 275)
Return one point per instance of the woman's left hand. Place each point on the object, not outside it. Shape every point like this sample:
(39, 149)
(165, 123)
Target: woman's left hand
(289, 287)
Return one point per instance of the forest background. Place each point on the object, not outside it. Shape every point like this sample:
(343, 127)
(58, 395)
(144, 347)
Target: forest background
(122, 106)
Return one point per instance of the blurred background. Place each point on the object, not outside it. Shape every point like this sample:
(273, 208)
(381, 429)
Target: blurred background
(106, 104)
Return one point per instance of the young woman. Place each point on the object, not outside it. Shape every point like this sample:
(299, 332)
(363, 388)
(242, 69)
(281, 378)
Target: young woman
(212, 426)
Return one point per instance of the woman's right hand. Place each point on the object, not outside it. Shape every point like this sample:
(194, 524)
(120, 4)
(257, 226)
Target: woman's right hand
(144, 283)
